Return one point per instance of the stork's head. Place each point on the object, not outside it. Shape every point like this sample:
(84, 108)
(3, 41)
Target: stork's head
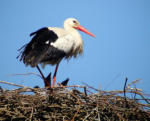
(72, 23)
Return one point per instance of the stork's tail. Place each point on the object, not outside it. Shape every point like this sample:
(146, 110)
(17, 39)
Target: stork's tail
(21, 52)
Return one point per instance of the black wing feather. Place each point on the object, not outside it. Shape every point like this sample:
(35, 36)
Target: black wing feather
(37, 51)
(53, 54)
(40, 31)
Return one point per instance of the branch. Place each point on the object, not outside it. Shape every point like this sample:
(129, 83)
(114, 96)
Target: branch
(124, 89)
(12, 84)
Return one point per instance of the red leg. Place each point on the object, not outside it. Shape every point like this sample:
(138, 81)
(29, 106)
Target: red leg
(54, 76)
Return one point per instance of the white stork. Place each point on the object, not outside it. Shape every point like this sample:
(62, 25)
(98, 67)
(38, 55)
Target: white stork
(50, 45)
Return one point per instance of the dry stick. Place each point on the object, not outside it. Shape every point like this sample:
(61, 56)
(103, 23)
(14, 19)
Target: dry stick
(122, 119)
(90, 92)
(142, 96)
(85, 91)
(12, 84)
(31, 114)
(99, 118)
(79, 102)
(124, 90)
(68, 86)
(119, 91)
(26, 74)
(97, 100)
(90, 87)
(75, 115)
(90, 113)
(135, 94)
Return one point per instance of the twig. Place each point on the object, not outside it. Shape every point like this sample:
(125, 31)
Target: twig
(134, 82)
(135, 94)
(75, 115)
(12, 84)
(124, 90)
(68, 86)
(85, 92)
(119, 92)
(90, 87)
(99, 118)
(31, 114)
(121, 118)
(26, 74)
(89, 113)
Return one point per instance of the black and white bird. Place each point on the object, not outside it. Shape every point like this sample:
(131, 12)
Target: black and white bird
(49, 45)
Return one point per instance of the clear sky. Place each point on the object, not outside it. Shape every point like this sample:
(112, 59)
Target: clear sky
(121, 47)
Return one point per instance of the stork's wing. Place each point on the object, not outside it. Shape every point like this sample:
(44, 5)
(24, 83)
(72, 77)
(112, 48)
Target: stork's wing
(36, 49)
(46, 47)
(59, 49)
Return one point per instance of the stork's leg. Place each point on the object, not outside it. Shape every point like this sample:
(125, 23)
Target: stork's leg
(54, 76)
(45, 80)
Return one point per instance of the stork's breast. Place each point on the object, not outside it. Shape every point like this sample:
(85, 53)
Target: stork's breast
(65, 43)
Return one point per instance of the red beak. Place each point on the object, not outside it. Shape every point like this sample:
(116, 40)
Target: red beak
(81, 28)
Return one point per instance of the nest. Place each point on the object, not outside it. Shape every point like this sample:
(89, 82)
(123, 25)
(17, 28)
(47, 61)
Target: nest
(72, 104)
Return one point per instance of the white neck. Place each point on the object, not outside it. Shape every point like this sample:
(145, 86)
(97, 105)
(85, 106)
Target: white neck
(78, 43)
(73, 31)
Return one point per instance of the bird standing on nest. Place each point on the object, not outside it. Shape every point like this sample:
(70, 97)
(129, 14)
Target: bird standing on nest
(50, 45)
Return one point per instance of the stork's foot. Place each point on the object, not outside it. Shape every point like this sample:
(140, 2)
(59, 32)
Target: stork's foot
(65, 82)
(48, 79)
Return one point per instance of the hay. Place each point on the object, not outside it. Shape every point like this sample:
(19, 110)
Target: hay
(70, 104)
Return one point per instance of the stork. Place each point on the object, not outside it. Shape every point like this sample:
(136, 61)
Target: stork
(49, 45)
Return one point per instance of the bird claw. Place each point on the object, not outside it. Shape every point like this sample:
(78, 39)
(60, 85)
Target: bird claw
(65, 82)
(48, 79)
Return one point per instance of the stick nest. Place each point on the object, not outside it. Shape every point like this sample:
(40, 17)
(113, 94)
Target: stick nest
(70, 104)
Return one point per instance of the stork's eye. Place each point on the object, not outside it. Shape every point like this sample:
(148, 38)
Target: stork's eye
(74, 21)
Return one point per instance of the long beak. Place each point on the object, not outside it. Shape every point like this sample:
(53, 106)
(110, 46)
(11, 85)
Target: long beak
(81, 28)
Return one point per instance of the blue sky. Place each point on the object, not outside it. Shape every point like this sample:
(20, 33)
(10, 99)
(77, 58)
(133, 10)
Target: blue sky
(120, 49)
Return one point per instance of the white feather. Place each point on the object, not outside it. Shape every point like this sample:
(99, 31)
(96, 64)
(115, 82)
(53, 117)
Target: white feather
(67, 39)
(65, 43)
